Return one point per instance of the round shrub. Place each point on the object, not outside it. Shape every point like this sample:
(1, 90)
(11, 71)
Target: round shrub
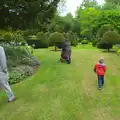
(111, 37)
(104, 45)
(56, 39)
(105, 28)
(84, 42)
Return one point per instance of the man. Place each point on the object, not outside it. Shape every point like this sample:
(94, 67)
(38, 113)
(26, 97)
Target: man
(66, 52)
(4, 76)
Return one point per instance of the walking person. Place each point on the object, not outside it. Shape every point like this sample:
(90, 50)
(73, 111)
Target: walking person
(4, 76)
(100, 70)
(66, 52)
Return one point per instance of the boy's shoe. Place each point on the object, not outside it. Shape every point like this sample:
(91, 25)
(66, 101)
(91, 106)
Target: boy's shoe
(14, 99)
(99, 88)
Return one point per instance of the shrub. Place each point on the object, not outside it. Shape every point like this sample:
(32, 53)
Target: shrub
(105, 28)
(84, 42)
(28, 71)
(43, 38)
(8, 36)
(30, 61)
(56, 39)
(118, 52)
(40, 40)
(16, 75)
(111, 37)
(104, 45)
(94, 43)
(72, 37)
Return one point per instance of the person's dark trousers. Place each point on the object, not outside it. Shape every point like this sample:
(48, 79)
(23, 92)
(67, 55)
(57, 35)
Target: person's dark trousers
(69, 59)
(100, 81)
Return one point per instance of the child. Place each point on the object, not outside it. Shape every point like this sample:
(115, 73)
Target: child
(100, 70)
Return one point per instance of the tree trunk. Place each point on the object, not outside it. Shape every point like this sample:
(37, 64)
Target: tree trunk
(55, 48)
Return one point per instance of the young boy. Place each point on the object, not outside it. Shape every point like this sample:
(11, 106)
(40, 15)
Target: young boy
(100, 70)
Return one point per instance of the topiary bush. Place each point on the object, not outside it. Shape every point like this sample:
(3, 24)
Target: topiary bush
(105, 28)
(56, 39)
(40, 40)
(43, 39)
(111, 37)
(84, 42)
(104, 45)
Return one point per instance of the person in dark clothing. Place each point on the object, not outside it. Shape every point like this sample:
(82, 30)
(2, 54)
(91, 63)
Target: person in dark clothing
(66, 52)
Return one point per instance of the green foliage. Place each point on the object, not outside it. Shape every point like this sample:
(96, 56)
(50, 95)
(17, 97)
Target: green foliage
(31, 61)
(110, 17)
(18, 74)
(103, 45)
(118, 52)
(56, 39)
(105, 28)
(94, 43)
(111, 37)
(8, 36)
(72, 37)
(43, 38)
(40, 40)
(24, 14)
(28, 71)
(84, 42)
(86, 17)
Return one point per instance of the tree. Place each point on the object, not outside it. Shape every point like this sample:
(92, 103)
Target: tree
(86, 18)
(117, 2)
(110, 17)
(27, 14)
(89, 4)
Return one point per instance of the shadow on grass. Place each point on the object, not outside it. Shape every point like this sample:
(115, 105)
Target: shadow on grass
(111, 51)
(56, 50)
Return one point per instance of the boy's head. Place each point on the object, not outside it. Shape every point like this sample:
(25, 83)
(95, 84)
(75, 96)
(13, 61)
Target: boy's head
(101, 60)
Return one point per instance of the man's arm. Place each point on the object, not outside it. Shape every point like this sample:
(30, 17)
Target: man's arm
(3, 60)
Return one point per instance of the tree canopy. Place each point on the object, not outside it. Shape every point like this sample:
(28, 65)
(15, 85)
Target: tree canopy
(22, 14)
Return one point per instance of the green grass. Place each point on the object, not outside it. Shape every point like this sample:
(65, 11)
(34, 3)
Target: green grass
(67, 92)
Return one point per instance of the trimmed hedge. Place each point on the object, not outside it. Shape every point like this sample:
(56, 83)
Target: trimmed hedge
(84, 42)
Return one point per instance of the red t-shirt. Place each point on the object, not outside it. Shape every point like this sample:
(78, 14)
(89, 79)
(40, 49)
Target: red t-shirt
(100, 69)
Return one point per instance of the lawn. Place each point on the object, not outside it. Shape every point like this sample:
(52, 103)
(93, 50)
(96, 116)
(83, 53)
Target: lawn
(67, 92)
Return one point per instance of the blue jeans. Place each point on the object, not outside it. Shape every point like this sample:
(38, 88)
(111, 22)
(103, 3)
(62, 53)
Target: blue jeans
(8, 91)
(100, 81)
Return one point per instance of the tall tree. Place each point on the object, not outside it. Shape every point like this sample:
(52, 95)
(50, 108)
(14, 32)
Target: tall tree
(26, 13)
